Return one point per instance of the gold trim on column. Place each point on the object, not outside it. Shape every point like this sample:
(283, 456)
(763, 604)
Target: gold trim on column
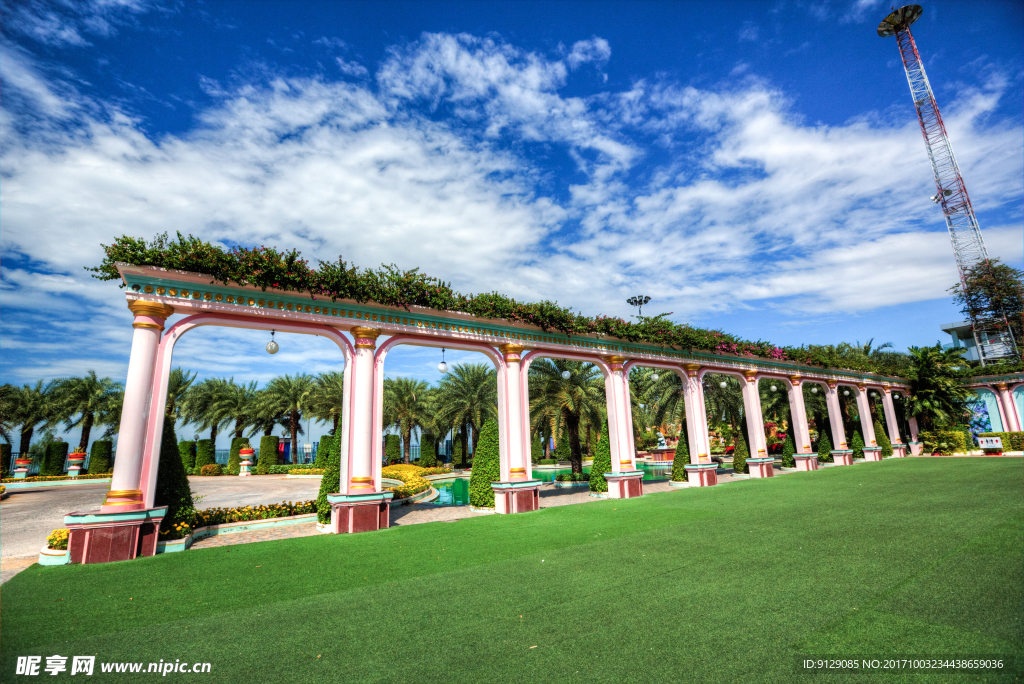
(144, 324)
(517, 471)
(796, 380)
(362, 483)
(615, 361)
(1002, 387)
(832, 384)
(133, 496)
(366, 338)
(861, 386)
(511, 351)
(750, 374)
(141, 307)
(691, 369)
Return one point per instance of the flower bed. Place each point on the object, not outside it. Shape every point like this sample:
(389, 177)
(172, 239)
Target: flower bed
(218, 516)
(52, 478)
(58, 539)
(412, 476)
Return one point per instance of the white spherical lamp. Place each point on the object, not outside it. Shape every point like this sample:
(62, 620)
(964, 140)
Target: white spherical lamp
(723, 384)
(655, 377)
(442, 367)
(814, 390)
(774, 388)
(566, 375)
(272, 345)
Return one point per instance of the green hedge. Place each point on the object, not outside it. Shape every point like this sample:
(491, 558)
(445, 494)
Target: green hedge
(297, 468)
(486, 467)
(740, 454)
(5, 460)
(562, 450)
(393, 449)
(1012, 441)
(268, 454)
(602, 462)
(100, 460)
(53, 459)
(788, 449)
(206, 453)
(537, 450)
(172, 487)
(824, 447)
(187, 449)
(329, 484)
(234, 460)
(330, 446)
(212, 469)
(428, 452)
(943, 442)
(682, 457)
(547, 461)
(882, 439)
(457, 458)
(857, 445)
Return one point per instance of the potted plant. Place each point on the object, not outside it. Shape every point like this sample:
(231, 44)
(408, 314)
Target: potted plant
(75, 461)
(245, 452)
(21, 466)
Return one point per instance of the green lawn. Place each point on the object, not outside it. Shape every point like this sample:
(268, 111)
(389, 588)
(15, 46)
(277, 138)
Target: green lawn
(725, 584)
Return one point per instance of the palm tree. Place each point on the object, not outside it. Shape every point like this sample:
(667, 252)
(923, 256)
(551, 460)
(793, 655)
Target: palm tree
(91, 399)
(27, 407)
(326, 402)
(178, 383)
(937, 398)
(724, 404)
(8, 402)
(289, 396)
(575, 400)
(404, 407)
(202, 405)
(237, 403)
(467, 396)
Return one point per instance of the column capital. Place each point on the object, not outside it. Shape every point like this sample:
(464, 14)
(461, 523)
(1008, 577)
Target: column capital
(750, 374)
(796, 380)
(832, 384)
(511, 351)
(615, 361)
(861, 386)
(366, 338)
(149, 314)
(691, 369)
(1002, 386)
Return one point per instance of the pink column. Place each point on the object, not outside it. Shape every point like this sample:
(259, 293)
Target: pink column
(363, 477)
(125, 487)
(802, 433)
(835, 417)
(619, 431)
(1010, 422)
(867, 425)
(518, 450)
(755, 421)
(892, 427)
(696, 417)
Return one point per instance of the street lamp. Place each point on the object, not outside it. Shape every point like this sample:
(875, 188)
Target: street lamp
(846, 393)
(638, 302)
(654, 377)
(723, 384)
(272, 345)
(774, 388)
(814, 390)
(566, 375)
(442, 367)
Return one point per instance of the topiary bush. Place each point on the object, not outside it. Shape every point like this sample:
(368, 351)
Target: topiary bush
(857, 444)
(392, 449)
(329, 484)
(53, 459)
(205, 453)
(824, 447)
(740, 454)
(329, 447)
(602, 462)
(5, 460)
(536, 451)
(428, 452)
(547, 461)
(172, 487)
(788, 449)
(486, 467)
(212, 469)
(187, 449)
(268, 454)
(883, 440)
(100, 459)
(562, 451)
(458, 460)
(234, 460)
(682, 457)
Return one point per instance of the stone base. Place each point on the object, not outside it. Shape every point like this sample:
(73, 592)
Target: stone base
(899, 450)
(843, 457)
(915, 448)
(625, 484)
(761, 467)
(352, 513)
(74, 471)
(20, 473)
(872, 453)
(96, 537)
(701, 474)
(516, 496)
(806, 462)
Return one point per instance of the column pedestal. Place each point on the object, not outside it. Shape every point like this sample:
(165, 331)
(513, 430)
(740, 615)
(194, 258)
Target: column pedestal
(352, 513)
(899, 450)
(761, 467)
(872, 453)
(806, 462)
(97, 537)
(842, 457)
(519, 496)
(245, 467)
(701, 474)
(21, 468)
(625, 484)
(915, 448)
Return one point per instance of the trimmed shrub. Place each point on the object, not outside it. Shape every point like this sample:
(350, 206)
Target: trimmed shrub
(428, 452)
(212, 469)
(682, 457)
(547, 461)
(536, 451)
(187, 449)
(5, 460)
(206, 453)
(739, 455)
(100, 460)
(1012, 441)
(329, 484)
(824, 448)
(602, 462)
(329, 447)
(577, 477)
(53, 459)
(943, 442)
(296, 469)
(172, 487)
(882, 439)
(268, 454)
(788, 449)
(857, 444)
(458, 459)
(562, 451)
(234, 460)
(486, 468)
(392, 449)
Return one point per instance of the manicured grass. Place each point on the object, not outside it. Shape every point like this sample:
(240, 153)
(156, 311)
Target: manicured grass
(726, 584)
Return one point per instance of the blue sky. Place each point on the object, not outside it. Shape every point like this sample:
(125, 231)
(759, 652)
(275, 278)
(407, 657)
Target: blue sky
(753, 166)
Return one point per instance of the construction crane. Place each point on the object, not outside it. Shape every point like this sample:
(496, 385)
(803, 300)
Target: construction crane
(992, 334)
